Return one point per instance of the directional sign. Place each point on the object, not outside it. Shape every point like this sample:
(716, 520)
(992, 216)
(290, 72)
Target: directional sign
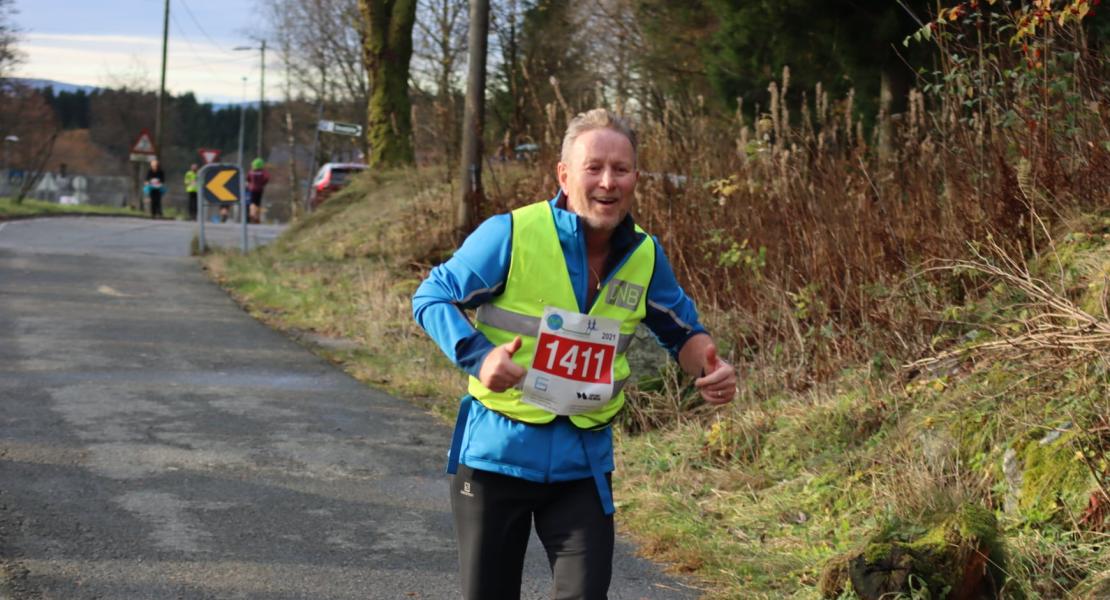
(220, 183)
(341, 128)
(143, 149)
(208, 155)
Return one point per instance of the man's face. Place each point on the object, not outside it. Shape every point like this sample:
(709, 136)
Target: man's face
(599, 179)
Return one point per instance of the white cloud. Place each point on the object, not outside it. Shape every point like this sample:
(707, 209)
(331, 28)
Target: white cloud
(77, 38)
(102, 60)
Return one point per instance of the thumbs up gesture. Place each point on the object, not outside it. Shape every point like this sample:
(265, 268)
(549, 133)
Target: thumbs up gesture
(718, 381)
(499, 372)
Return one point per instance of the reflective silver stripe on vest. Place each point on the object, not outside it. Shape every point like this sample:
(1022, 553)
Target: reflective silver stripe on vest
(618, 385)
(507, 320)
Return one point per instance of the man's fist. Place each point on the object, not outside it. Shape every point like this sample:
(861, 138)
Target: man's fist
(718, 381)
(499, 372)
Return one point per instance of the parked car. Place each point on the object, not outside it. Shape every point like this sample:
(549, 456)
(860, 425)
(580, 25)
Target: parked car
(333, 177)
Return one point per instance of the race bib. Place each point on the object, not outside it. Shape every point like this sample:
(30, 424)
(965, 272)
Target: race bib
(572, 371)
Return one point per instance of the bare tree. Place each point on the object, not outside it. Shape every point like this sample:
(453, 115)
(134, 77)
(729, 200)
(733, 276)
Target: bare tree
(10, 56)
(29, 122)
(324, 58)
(505, 22)
(611, 32)
(439, 45)
(284, 39)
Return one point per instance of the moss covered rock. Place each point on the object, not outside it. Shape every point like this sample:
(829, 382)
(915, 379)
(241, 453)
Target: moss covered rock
(958, 556)
(1055, 485)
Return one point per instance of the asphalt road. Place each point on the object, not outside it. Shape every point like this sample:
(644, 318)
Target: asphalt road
(157, 442)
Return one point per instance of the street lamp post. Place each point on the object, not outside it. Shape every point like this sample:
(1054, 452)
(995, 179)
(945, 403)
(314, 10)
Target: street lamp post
(261, 90)
(8, 141)
(242, 123)
(242, 172)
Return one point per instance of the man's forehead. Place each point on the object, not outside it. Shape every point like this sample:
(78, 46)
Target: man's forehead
(601, 142)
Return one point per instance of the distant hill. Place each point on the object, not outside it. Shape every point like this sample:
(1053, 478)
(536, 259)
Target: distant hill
(61, 86)
(58, 86)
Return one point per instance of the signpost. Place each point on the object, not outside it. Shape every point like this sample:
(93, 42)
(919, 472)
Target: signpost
(208, 155)
(143, 150)
(350, 129)
(221, 184)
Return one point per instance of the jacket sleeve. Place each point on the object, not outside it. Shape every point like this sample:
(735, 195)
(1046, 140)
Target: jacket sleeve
(671, 314)
(471, 277)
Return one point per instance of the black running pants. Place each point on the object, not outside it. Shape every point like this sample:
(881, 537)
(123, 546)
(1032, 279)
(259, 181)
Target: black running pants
(493, 519)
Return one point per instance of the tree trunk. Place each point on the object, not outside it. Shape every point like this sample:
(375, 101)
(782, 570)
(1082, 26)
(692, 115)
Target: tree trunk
(387, 48)
(38, 167)
(470, 169)
(894, 89)
(294, 183)
(886, 126)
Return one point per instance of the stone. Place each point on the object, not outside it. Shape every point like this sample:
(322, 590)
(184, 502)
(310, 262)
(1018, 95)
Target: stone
(958, 557)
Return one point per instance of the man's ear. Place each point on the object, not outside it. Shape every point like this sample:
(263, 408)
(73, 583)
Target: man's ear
(561, 175)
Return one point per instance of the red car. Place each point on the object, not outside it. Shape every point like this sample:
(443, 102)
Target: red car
(332, 177)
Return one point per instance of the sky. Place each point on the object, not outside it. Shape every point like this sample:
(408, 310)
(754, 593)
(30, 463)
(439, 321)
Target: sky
(115, 42)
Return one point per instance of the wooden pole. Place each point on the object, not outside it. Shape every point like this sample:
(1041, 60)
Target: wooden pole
(470, 170)
(162, 87)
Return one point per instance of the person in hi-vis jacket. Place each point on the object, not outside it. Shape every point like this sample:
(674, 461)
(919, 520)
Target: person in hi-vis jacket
(559, 287)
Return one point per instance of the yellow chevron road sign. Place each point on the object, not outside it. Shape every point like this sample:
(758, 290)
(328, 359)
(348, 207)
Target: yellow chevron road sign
(220, 183)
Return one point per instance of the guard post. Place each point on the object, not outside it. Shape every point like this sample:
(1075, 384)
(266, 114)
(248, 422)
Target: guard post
(220, 185)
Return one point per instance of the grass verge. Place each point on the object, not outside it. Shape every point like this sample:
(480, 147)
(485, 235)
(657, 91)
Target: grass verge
(38, 208)
(760, 498)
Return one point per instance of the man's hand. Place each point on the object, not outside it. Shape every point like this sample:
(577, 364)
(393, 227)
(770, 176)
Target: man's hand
(718, 382)
(499, 372)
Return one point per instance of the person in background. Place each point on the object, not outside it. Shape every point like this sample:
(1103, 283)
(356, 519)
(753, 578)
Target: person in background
(559, 287)
(191, 190)
(154, 184)
(257, 179)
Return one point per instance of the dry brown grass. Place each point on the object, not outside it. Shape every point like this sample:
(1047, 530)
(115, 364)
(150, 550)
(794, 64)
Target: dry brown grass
(801, 225)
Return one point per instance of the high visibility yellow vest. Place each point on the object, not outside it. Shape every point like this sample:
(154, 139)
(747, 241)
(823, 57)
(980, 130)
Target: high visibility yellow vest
(538, 278)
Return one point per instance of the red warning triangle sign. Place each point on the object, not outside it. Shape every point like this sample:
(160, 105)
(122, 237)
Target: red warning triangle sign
(143, 144)
(209, 155)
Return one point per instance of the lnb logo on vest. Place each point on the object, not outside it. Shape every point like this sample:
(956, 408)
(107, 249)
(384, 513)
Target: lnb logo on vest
(554, 322)
(624, 294)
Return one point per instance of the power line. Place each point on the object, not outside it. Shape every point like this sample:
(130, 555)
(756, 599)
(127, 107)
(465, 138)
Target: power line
(205, 64)
(192, 50)
(201, 27)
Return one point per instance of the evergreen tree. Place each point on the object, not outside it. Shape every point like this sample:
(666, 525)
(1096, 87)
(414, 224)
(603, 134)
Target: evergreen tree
(841, 43)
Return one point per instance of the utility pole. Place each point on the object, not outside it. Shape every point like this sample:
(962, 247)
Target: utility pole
(162, 88)
(261, 91)
(242, 125)
(261, 99)
(470, 170)
(243, 202)
(316, 138)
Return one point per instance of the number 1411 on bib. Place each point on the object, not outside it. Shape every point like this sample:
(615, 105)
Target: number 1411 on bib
(574, 359)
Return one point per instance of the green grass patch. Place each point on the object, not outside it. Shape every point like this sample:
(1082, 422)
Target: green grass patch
(31, 208)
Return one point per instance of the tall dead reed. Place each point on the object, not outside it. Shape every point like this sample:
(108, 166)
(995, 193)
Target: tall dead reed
(797, 224)
(801, 229)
